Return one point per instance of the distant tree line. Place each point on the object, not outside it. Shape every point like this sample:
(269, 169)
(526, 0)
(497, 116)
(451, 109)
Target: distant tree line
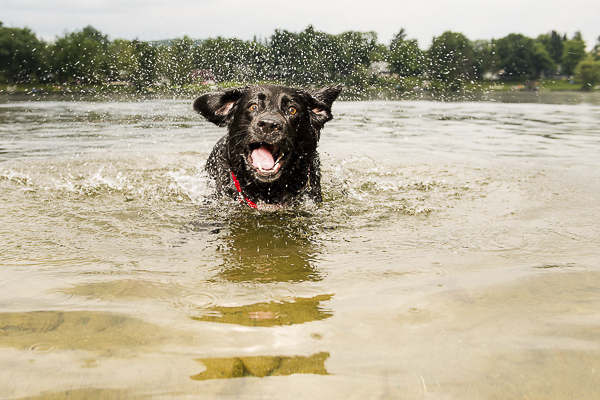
(310, 57)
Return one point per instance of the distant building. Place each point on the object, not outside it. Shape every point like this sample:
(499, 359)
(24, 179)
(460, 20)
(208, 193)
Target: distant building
(203, 76)
(380, 68)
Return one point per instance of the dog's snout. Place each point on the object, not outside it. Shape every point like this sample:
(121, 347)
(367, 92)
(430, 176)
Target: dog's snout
(268, 125)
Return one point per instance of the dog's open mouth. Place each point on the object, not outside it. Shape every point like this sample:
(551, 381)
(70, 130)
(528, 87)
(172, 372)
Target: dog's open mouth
(266, 159)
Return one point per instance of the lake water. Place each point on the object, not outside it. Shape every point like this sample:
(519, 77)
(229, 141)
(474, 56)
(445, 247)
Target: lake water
(456, 255)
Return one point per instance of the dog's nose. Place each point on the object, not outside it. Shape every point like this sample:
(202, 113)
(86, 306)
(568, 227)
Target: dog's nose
(268, 125)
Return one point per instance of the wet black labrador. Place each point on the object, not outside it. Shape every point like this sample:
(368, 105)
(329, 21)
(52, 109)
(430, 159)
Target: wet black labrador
(269, 156)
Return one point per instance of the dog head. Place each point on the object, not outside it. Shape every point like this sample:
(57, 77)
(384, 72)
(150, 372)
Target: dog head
(272, 130)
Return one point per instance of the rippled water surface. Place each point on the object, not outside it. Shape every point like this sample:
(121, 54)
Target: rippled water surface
(456, 255)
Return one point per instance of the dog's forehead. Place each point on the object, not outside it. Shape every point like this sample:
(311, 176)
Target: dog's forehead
(273, 94)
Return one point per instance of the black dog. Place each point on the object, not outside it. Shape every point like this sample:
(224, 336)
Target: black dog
(269, 155)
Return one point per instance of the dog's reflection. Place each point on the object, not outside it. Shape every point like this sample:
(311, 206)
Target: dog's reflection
(273, 313)
(278, 247)
(275, 247)
(261, 366)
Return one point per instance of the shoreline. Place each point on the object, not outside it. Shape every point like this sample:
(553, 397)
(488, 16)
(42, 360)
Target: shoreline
(373, 94)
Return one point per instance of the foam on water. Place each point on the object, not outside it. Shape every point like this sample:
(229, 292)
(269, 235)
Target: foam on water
(88, 179)
(198, 187)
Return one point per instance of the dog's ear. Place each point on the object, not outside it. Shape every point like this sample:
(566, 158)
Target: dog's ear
(217, 107)
(319, 104)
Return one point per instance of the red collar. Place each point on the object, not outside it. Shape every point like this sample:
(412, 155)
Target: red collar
(241, 195)
(250, 203)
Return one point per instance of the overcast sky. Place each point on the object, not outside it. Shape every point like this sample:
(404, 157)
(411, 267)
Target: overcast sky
(244, 19)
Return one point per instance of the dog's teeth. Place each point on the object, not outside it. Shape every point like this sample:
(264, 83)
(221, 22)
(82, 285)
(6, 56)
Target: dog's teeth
(279, 158)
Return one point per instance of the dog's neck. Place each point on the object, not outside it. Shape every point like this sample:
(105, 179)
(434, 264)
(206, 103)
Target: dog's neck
(243, 199)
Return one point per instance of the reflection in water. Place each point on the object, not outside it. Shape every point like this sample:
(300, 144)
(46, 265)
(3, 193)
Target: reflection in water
(272, 313)
(239, 367)
(266, 247)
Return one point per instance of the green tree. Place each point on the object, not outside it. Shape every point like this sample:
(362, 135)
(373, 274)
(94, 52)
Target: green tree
(92, 33)
(132, 61)
(515, 56)
(285, 56)
(452, 61)
(354, 50)
(177, 60)
(320, 57)
(405, 57)
(121, 58)
(302, 58)
(542, 62)
(232, 59)
(588, 71)
(553, 43)
(573, 53)
(380, 52)
(486, 59)
(21, 54)
(80, 57)
(313, 57)
(145, 68)
(596, 50)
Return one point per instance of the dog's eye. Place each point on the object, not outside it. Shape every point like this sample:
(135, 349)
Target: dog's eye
(253, 108)
(292, 110)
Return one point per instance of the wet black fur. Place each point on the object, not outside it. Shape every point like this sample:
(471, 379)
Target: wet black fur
(272, 123)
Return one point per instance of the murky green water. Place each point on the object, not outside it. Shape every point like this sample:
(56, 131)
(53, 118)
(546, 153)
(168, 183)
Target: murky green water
(456, 255)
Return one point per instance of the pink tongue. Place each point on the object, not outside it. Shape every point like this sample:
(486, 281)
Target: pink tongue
(263, 156)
